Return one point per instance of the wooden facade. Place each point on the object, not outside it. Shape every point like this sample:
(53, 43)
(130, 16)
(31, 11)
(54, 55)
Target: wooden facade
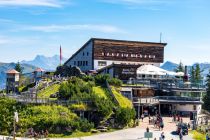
(98, 53)
(120, 50)
(143, 92)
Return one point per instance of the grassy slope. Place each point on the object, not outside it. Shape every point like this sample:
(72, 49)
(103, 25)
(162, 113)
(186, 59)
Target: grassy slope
(48, 91)
(123, 101)
(100, 91)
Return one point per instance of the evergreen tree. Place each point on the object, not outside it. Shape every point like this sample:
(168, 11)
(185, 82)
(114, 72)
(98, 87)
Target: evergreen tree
(180, 67)
(18, 67)
(197, 73)
(192, 75)
(206, 98)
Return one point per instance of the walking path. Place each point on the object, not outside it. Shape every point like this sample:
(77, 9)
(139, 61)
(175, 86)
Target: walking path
(134, 133)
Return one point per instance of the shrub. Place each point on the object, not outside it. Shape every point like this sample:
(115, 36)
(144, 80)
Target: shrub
(85, 125)
(124, 116)
(101, 79)
(115, 82)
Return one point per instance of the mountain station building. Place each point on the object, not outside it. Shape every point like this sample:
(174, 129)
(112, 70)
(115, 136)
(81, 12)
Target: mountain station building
(137, 64)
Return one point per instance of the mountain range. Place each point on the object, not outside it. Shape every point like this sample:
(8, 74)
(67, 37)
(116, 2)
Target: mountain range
(46, 63)
(170, 66)
(50, 63)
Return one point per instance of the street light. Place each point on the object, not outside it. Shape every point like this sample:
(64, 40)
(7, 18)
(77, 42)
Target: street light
(139, 103)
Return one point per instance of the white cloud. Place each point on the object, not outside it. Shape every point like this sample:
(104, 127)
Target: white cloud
(45, 3)
(133, 2)
(91, 27)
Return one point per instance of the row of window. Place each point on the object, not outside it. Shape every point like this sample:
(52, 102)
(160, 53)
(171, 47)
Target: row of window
(128, 55)
(81, 63)
(86, 53)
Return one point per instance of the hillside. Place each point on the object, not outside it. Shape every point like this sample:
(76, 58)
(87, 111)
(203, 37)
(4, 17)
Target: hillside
(4, 67)
(47, 63)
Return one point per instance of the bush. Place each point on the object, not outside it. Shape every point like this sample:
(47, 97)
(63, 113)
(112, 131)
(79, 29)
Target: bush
(85, 125)
(88, 78)
(7, 108)
(115, 82)
(101, 79)
(124, 116)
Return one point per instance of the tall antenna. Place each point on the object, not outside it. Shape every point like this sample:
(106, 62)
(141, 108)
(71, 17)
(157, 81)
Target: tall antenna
(60, 55)
(160, 37)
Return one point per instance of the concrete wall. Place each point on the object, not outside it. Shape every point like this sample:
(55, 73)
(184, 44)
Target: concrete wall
(109, 62)
(87, 56)
(187, 108)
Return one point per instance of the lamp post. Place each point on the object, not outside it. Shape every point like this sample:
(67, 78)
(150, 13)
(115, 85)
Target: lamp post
(14, 123)
(139, 103)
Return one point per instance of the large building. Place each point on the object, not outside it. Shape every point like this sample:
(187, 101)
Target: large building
(99, 53)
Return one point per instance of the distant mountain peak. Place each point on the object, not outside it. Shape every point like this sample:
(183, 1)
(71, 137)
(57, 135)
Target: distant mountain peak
(47, 63)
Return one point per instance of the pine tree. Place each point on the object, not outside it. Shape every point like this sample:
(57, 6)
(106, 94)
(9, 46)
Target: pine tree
(197, 73)
(180, 68)
(192, 75)
(18, 67)
(206, 98)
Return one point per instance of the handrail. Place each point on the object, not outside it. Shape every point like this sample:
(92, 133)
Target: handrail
(179, 98)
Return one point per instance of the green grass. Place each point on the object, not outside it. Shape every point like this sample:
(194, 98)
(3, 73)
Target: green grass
(123, 101)
(81, 106)
(78, 134)
(73, 135)
(100, 91)
(48, 91)
(198, 136)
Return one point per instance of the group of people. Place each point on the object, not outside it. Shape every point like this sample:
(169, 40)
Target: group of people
(157, 121)
(41, 134)
(177, 118)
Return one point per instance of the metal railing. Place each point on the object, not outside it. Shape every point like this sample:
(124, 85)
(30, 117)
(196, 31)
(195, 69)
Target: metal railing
(178, 98)
(171, 84)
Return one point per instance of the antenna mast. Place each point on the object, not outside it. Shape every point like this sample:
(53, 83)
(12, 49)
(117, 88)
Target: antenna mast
(160, 37)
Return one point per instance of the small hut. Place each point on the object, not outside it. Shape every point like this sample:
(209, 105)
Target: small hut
(12, 83)
(38, 74)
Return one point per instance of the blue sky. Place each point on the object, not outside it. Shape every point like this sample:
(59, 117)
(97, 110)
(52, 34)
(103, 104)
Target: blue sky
(31, 27)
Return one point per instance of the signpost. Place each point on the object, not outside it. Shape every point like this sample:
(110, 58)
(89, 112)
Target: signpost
(148, 135)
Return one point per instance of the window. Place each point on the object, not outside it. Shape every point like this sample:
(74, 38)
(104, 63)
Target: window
(194, 107)
(75, 63)
(102, 53)
(140, 56)
(83, 63)
(145, 56)
(153, 56)
(86, 63)
(107, 54)
(87, 53)
(83, 53)
(117, 54)
(112, 54)
(78, 63)
(101, 63)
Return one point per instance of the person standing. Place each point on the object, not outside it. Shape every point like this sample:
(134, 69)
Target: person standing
(207, 137)
(142, 117)
(180, 135)
(162, 136)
